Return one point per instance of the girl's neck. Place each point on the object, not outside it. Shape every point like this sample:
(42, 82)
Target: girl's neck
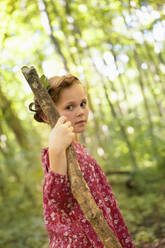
(76, 137)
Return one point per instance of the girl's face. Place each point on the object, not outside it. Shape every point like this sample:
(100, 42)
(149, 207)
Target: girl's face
(73, 104)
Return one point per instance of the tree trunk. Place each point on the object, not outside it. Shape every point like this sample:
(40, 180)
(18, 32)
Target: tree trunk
(146, 105)
(123, 131)
(155, 61)
(12, 121)
(43, 8)
(147, 79)
(79, 187)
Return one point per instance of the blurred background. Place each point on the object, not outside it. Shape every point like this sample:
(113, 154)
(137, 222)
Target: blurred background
(117, 49)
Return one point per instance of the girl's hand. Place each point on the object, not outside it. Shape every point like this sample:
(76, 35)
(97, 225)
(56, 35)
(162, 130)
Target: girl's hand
(62, 135)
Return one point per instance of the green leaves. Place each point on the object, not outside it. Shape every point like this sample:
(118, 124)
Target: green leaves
(45, 81)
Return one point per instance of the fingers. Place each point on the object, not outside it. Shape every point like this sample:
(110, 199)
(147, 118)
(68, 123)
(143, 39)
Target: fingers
(67, 124)
(63, 121)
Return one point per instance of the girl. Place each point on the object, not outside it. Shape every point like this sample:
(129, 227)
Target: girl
(65, 222)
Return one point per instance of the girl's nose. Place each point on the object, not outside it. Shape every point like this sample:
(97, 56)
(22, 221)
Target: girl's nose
(80, 111)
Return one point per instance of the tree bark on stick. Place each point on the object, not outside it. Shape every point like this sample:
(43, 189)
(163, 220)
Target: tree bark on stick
(79, 186)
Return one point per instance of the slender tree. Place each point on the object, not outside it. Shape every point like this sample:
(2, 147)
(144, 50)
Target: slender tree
(49, 29)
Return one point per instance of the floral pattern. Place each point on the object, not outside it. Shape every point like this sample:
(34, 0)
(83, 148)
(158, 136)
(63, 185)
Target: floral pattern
(64, 220)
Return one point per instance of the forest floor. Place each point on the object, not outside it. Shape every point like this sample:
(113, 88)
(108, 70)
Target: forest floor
(157, 244)
(142, 203)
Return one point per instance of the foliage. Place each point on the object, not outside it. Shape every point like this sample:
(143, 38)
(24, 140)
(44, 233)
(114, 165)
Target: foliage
(44, 81)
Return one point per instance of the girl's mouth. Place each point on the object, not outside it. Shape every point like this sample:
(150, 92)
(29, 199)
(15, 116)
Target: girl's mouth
(80, 122)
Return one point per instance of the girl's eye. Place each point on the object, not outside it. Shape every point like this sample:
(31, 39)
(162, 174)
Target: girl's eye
(83, 104)
(69, 107)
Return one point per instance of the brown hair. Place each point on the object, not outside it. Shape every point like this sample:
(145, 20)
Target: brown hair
(55, 85)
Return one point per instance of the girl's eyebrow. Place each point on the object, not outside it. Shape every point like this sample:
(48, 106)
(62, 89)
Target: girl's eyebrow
(72, 102)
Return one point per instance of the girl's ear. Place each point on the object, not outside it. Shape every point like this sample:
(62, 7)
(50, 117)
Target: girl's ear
(43, 116)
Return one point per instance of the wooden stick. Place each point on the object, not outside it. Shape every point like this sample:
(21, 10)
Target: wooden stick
(79, 187)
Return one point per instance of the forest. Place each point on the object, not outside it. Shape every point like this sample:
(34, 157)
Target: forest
(117, 49)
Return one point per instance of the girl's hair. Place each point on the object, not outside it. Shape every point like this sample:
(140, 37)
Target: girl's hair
(55, 85)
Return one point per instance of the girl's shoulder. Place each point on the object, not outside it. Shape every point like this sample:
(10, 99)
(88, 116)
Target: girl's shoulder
(80, 151)
(78, 147)
(83, 153)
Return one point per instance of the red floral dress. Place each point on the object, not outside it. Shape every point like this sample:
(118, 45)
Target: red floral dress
(65, 222)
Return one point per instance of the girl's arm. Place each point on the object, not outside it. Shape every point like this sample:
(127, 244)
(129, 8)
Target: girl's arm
(55, 186)
(58, 161)
(61, 136)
